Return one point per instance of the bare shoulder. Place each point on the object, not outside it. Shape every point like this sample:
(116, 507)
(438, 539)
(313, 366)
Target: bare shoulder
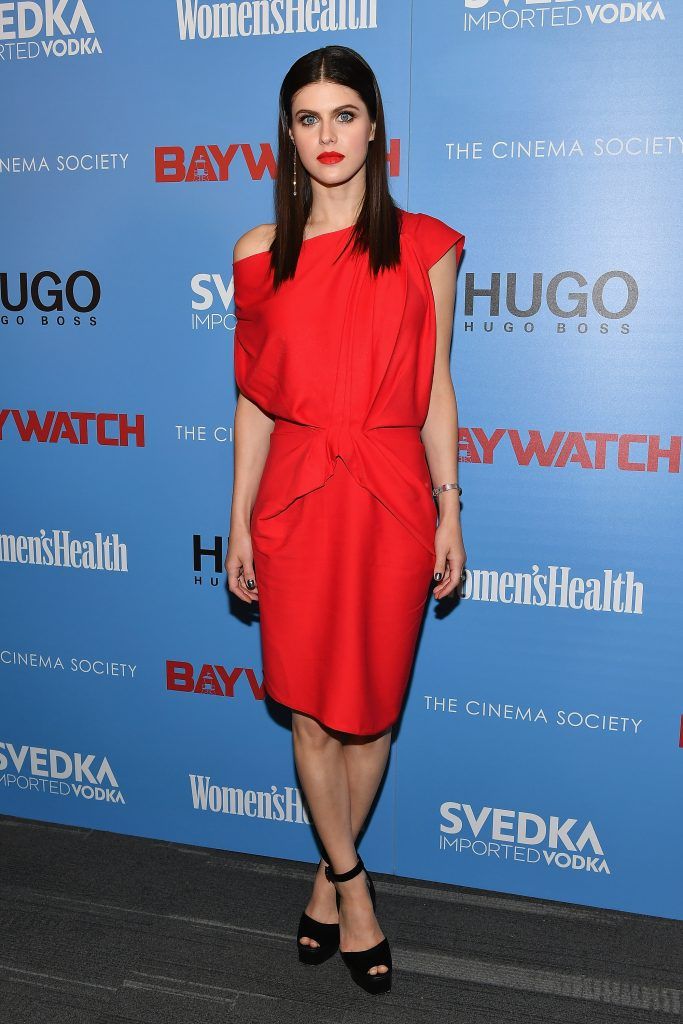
(254, 240)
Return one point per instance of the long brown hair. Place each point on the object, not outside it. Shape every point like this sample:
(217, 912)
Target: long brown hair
(377, 227)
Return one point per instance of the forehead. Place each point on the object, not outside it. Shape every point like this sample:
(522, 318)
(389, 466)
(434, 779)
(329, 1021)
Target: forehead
(325, 96)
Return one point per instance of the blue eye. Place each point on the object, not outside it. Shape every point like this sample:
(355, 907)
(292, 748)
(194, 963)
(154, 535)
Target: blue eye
(351, 115)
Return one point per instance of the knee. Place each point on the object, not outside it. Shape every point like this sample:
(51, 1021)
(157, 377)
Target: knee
(310, 732)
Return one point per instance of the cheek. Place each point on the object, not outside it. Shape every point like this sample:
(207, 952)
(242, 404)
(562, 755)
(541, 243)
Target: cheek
(308, 145)
(359, 139)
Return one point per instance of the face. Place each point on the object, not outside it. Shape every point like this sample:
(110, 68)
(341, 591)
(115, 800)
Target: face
(329, 118)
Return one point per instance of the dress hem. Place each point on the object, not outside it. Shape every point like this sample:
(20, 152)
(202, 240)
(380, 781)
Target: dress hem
(304, 711)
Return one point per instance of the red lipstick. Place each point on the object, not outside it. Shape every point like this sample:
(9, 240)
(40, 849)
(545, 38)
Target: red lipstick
(330, 158)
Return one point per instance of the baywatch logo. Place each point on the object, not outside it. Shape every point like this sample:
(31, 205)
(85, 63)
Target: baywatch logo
(522, 837)
(215, 680)
(634, 453)
(508, 15)
(46, 28)
(57, 300)
(107, 429)
(45, 770)
(211, 163)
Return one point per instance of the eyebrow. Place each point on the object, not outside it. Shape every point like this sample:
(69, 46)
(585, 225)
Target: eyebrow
(344, 106)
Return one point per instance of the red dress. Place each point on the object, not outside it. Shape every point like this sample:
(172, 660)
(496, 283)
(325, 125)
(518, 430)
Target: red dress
(343, 524)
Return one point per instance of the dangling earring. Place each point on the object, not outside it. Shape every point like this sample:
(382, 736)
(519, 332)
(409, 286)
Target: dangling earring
(294, 169)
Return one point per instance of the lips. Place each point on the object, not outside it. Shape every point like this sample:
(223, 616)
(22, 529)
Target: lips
(330, 158)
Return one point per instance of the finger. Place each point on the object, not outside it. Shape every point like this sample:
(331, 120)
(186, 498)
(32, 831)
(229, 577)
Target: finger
(250, 594)
(234, 585)
(249, 576)
(451, 583)
(245, 594)
(233, 578)
(440, 569)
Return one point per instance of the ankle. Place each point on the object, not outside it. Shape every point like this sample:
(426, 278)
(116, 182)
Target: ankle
(356, 890)
(343, 871)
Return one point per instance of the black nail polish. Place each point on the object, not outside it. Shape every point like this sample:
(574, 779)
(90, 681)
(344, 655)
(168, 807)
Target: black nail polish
(250, 584)
(437, 576)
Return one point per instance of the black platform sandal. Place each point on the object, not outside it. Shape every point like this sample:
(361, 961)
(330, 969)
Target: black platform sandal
(360, 961)
(327, 935)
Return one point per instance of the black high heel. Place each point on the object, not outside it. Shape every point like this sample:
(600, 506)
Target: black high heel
(360, 961)
(327, 935)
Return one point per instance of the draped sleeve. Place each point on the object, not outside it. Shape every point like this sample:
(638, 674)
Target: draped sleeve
(255, 374)
(434, 238)
(245, 339)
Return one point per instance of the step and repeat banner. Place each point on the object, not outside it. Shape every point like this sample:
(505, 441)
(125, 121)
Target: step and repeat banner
(541, 746)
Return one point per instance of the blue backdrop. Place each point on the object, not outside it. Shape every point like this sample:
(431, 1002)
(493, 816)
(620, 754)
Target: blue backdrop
(540, 748)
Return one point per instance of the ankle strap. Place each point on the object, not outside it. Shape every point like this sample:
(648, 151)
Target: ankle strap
(346, 875)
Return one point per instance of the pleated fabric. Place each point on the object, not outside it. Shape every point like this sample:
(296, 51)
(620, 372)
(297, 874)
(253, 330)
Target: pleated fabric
(343, 524)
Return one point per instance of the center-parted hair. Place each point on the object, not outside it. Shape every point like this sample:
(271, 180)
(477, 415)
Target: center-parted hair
(377, 228)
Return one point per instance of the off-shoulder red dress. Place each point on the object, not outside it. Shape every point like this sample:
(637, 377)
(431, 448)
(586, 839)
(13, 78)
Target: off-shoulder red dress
(344, 520)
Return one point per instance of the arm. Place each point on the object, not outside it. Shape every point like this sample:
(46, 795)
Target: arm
(251, 443)
(440, 431)
(251, 435)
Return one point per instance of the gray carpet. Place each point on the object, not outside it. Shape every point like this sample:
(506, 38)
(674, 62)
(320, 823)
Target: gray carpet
(98, 928)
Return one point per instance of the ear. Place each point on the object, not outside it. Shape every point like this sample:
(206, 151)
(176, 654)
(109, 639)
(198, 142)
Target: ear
(372, 136)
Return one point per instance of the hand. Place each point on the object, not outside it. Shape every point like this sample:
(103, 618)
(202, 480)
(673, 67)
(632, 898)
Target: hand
(239, 565)
(450, 556)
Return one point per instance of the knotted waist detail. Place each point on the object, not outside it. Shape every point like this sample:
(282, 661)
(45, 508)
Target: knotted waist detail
(388, 461)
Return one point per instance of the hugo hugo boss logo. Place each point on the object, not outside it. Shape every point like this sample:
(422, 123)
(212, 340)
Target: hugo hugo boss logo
(567, 295)
(47, 292)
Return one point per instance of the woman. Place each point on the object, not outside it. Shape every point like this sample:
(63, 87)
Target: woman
(345, 419)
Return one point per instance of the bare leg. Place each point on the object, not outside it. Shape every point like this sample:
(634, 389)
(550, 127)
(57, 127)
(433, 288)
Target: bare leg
(366, 761)
(340, 775)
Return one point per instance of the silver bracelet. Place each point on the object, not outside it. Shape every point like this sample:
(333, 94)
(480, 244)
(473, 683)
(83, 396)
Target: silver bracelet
(446, 487)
